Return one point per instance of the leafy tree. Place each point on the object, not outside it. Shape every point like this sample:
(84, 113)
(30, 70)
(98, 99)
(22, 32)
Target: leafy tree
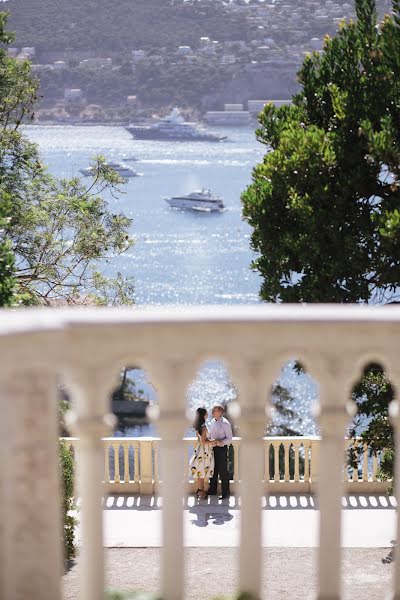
(57, 230)
(325, 202)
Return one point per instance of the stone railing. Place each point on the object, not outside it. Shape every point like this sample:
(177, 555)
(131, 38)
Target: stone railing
(290, 466)
(87, 349)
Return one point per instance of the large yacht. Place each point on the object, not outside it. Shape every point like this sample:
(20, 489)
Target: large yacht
(120, 168)
(173, 128)
(202, 200)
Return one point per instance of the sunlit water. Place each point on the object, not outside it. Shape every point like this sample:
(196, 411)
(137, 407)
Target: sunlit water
(180, 257)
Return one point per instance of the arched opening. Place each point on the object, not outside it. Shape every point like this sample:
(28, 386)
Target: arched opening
(129, 402)
(370, 439)
(212, 386)
(291, 423)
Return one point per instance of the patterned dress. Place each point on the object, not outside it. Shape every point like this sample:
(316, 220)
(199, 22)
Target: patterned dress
(202, 461)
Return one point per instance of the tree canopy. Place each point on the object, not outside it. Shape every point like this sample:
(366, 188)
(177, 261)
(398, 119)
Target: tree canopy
(53, 233)
(325, 203)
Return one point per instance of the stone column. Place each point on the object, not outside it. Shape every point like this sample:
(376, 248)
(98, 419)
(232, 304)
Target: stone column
(333, 413)
(254, 382)
(30, 499)
(172, 379)
(90, 420)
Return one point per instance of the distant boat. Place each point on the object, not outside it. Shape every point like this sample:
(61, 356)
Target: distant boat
(120, 168)
(173, 128)
(202, 200)
(129, 158)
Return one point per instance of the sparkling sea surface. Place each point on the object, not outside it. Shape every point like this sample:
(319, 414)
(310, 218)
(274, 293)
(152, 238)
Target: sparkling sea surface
(180, 257)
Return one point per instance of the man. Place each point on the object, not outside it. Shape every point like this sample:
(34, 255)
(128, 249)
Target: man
(221, 432)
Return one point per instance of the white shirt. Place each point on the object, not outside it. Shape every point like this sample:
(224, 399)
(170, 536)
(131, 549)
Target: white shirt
(221, 430)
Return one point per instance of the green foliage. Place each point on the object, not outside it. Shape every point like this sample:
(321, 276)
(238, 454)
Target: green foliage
(324, 204)
(66, 462)
(53, 233)
(372, 395)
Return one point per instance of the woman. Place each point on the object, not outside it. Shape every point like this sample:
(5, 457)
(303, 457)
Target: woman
(202, 461)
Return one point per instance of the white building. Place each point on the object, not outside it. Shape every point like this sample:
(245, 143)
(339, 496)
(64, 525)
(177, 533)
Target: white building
(138, 55)
(96, 63)
(233, 107)
(13, 52)
(184, 50)
(232, 115)
(256, 106)
(73, 95)
(60, 65)
(30, 51)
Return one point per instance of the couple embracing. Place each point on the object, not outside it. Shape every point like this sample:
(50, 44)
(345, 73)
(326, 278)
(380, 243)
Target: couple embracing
(210, 458)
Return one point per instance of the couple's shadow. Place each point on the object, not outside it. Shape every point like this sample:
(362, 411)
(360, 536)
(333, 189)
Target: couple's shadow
(208, 513)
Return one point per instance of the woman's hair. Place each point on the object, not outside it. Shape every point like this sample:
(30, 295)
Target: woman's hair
(200, 420)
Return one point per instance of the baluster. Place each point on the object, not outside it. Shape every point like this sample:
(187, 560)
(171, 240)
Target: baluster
(156, 459)
(117, 477)
(306, 447)
(277, 475)
(30, 548)
(296, 462)
(106, 462)
(146, 467)
(374, 467)
(253, 382)
(126, 475)
(355, 457)
(90, 421)
(315, 464)
(171, 380)
(335, 389)
(346, 475)
(267, 447)
(286, 446)
(136, 475)
(365, 463)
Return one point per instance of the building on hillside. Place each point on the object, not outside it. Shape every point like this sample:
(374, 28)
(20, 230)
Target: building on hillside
(60, 65)
(233, 115)
(227, 59)
(96, 63)
(184, 50)
(37, 68)
(131, 100)
(30, 51)
(233, 107)
(73, 95)
(138, 55)
(255, 106)
(13, 52)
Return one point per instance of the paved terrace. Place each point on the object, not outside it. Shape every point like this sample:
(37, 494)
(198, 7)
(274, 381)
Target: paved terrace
(132, 536)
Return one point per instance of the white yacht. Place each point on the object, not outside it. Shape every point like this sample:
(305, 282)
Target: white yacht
(202, 200)
(120, 168)
(173, 128)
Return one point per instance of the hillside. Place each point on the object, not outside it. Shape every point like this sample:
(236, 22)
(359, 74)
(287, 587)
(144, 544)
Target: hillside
(120, 25)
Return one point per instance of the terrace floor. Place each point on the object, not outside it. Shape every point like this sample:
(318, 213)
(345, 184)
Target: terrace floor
(290, 535)
(288, 521)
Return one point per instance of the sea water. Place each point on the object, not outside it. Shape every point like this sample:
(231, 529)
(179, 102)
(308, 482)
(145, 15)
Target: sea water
(180, 257)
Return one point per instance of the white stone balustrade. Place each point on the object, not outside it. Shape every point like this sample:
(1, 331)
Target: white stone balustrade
(290, 466)
(86, 348)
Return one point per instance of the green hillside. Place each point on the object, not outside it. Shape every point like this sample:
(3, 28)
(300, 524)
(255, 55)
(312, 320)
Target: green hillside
(120, 24)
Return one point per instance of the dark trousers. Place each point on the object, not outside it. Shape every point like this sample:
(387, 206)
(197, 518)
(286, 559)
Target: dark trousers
(221, 470)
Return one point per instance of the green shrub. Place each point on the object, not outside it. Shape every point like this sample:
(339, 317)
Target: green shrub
(66, 461)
